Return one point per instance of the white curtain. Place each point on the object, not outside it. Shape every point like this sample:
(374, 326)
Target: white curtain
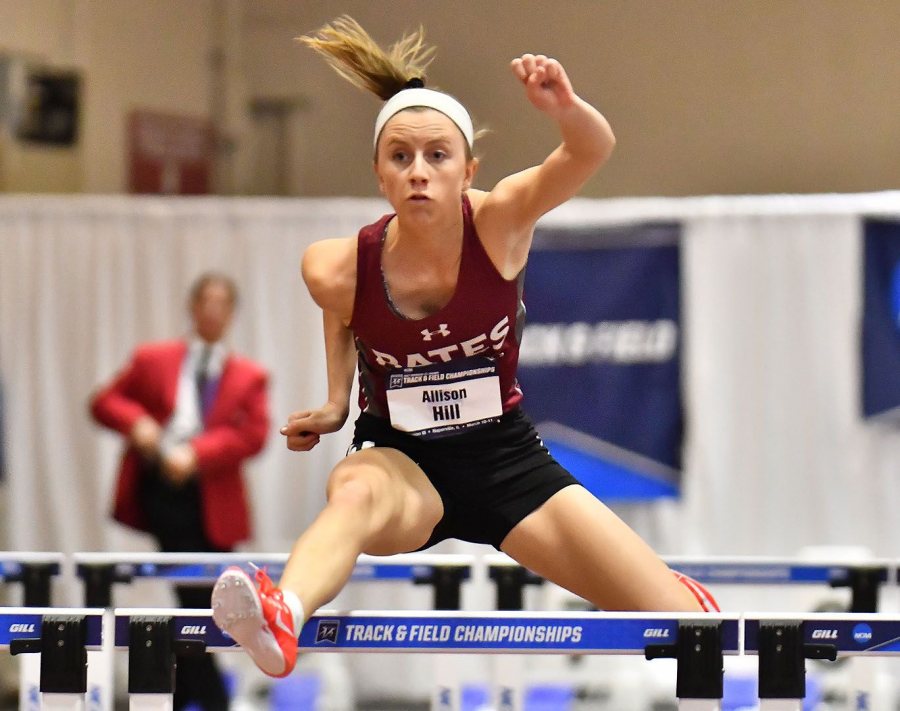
(83, 280)
(777, 457)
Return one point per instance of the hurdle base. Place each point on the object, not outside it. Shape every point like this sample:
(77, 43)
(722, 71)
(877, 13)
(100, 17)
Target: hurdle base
(699, 704)
(62, 702)
(780, 705)
(150, 702)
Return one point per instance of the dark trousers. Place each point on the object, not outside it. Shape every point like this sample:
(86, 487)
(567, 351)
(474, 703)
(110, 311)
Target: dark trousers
(175, 518)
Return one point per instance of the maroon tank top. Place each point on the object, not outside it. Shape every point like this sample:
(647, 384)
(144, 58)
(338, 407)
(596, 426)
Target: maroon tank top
(480, 326)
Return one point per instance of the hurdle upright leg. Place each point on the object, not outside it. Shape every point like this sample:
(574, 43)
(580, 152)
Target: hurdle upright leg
(62, 648)
(447, 581)
(701, 667)
(508, 670)
(151, 663)
(35, 578)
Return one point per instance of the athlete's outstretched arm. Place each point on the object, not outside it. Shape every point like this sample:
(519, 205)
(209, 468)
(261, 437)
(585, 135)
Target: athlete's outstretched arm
(325, 270)
(509, 212)
(587, 139)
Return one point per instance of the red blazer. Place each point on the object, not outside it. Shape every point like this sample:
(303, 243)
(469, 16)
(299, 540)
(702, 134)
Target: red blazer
(235, 428)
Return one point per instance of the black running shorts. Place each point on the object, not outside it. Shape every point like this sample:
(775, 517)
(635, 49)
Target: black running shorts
(488, 479)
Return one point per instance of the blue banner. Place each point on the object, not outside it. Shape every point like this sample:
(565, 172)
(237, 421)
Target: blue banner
(487, 633)
(600, 362)
(881, 321)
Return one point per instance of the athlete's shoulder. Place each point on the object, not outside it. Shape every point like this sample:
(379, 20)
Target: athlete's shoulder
(327, 257)
(329, 269)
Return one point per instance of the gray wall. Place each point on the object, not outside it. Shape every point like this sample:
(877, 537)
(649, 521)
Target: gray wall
(705, 96)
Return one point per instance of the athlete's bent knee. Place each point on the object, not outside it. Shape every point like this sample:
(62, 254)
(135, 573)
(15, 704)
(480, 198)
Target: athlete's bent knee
(354, 493)
(356, 482)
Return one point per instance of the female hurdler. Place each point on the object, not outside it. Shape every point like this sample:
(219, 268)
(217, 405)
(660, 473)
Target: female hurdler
(426, 303)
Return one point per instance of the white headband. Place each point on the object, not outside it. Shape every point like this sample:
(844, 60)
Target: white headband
(427, 98)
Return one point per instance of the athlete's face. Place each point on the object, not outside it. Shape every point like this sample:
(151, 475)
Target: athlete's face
(421, 162)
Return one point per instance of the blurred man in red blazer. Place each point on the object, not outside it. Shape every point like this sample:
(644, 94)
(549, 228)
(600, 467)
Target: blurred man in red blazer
(191, 412)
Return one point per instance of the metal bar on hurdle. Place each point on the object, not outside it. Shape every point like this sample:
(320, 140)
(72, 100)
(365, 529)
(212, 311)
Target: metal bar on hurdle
(60, 637)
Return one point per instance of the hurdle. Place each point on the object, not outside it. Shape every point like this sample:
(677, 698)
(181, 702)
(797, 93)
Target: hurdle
(100, 572)
(64, 635)
(864, 578)
(784, 642)
(34, 570)
(697, 641)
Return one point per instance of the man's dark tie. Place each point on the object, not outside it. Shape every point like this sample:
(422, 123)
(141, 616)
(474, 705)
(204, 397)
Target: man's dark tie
(201, 376)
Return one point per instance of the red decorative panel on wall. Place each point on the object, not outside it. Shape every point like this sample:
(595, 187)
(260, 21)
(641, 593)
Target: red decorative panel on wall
(170, 154)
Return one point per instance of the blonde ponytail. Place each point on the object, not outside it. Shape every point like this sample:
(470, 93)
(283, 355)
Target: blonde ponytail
(353, 54)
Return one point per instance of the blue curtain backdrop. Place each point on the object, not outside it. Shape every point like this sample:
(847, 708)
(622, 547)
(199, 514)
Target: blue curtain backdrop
(601, 356)
(881, 321)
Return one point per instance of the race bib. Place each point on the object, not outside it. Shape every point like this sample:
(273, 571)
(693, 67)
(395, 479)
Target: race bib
(445, 398)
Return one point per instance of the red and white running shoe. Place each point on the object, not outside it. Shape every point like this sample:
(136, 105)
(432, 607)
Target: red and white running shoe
(704, 596)
(257, 618)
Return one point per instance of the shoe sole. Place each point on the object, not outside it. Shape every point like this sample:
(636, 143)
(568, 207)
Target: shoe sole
(236, 609)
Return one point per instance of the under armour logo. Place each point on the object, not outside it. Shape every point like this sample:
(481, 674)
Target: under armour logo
(442, 330)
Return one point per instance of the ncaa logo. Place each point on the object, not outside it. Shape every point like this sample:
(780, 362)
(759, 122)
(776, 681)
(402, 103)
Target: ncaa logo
(395, 381)
(327, 631)
(862, 633)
